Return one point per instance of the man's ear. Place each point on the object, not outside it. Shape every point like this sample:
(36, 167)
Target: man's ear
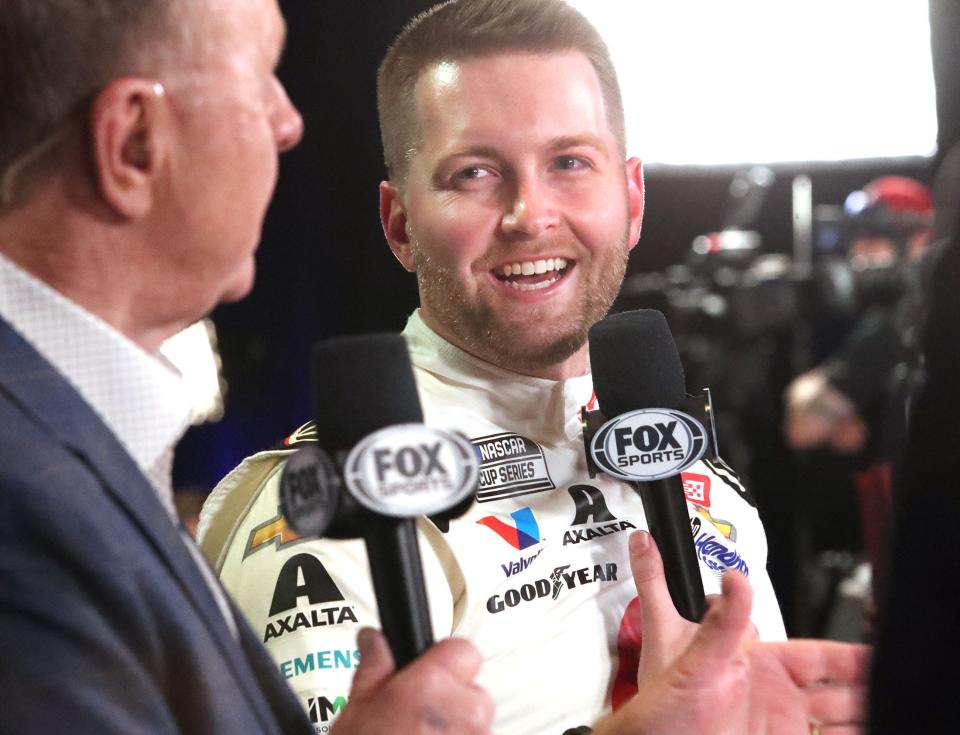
(127, 146)
(635, 198)
(393, 217)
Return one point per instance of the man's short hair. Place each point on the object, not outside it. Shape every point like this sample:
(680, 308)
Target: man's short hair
(55, 55)
(460, 30)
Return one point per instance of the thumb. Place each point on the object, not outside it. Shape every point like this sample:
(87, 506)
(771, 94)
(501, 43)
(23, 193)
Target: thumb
(726, 625)
(661, 621)
(376, 662)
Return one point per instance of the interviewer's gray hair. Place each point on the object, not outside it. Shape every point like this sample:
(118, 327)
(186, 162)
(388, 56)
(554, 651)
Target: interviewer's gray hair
(55, 55)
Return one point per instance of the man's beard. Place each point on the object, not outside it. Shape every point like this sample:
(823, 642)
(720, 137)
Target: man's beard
(507, 340)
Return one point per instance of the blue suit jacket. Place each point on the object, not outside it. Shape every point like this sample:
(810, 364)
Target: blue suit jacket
(106, 623)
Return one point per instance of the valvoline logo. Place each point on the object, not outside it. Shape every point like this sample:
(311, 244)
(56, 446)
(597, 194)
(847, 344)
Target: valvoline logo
(648, 444)
(524, 532)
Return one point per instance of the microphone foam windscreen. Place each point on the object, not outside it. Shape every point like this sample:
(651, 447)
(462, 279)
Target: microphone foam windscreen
(362, 384)
(635, 363)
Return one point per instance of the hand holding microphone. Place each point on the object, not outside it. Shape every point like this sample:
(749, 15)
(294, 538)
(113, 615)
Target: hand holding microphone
(377, 468)
(436, 693)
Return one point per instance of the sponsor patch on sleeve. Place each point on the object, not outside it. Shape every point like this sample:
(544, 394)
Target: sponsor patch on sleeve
(697, 488)
(715, 550)
(305, 596)
(273, 532)
(510, 465)
(728, 530)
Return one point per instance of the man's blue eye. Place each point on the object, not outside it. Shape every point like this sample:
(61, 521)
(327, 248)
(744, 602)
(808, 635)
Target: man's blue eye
(474, 172)
(568, 162)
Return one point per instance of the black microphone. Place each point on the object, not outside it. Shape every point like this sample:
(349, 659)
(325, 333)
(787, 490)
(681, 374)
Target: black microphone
(377, 468)
(638, 379)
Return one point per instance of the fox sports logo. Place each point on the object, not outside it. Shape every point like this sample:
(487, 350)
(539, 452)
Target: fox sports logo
(648, 444)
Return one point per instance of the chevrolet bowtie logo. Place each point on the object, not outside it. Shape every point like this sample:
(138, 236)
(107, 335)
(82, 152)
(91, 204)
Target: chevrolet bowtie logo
(274, 531)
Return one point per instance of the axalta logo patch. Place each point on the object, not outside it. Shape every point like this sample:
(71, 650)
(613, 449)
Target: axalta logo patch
(316, 618)
(648, 444)
(304, 576)
(591, 508)
(510, 466)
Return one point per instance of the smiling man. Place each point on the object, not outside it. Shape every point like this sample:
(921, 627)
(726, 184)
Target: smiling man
(513, 204)
(511, 198)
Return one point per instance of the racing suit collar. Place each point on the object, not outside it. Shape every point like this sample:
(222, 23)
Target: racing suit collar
(548, 408)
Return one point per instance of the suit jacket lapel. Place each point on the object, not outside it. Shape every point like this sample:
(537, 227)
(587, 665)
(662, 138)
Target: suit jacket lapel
(288, 711)
(41, 391)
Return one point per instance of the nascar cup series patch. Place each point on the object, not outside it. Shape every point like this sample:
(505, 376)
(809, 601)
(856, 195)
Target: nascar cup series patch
(648, 444)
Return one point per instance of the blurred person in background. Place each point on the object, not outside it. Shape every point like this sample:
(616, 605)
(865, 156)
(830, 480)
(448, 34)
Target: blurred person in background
(842, 403)
(848, 415)
(918, 615)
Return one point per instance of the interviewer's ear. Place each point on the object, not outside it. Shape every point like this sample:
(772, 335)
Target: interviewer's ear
(393, 217)
(126, 123)
(635, 198)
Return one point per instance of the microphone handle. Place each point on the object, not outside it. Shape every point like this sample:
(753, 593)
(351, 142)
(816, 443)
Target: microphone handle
(397, 573)
(665, 507)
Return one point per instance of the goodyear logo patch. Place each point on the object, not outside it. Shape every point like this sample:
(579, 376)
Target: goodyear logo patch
(510, 465)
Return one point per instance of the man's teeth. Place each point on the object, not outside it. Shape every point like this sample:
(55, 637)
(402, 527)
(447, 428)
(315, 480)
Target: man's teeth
(533, 286)
(532, 267)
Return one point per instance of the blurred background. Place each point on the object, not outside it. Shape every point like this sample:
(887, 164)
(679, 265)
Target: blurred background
(787, 261)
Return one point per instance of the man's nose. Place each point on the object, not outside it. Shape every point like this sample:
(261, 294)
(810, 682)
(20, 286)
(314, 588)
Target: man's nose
(287, 122)
(530, 212)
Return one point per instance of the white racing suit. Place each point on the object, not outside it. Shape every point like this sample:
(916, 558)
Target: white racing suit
(536, 573)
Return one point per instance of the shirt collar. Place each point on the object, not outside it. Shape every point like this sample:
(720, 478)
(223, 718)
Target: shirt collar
(548, 410)
(139, 396)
